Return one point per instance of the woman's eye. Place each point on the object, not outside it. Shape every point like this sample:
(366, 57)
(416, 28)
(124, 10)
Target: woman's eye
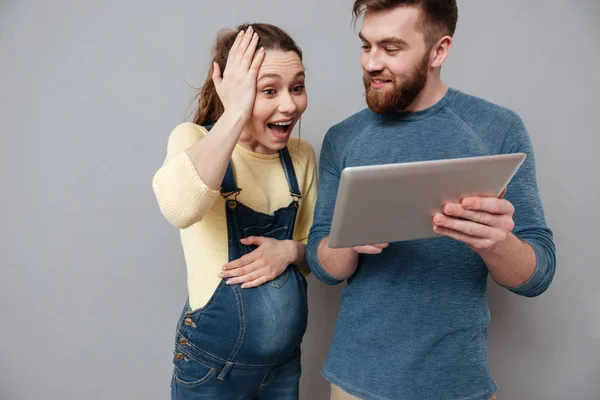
(269, 92)
(298, 89)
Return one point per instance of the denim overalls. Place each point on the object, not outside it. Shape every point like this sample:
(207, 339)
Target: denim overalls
(245, 343)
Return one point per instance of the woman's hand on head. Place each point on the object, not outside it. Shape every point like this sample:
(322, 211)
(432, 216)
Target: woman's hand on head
(236, 86)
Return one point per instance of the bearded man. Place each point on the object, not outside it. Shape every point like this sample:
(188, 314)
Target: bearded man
(414, 316)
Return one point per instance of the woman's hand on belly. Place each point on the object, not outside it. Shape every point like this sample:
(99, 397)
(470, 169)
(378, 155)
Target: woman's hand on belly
(269, 260)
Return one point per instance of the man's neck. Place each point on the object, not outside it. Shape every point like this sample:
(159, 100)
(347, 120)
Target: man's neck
(432, 93)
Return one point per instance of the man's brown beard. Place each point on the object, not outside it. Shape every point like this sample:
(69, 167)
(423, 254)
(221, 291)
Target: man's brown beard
(399, 96)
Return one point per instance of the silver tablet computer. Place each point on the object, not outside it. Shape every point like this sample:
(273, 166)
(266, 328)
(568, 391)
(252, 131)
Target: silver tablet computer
(395, 202)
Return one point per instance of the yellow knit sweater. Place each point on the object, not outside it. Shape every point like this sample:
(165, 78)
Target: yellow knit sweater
(199, 212)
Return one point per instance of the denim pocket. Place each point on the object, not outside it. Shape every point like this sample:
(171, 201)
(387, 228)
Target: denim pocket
(189, 372)
(280, 280)
(279, 233)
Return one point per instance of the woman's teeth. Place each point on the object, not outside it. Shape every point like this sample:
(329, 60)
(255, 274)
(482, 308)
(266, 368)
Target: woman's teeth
(280, 127)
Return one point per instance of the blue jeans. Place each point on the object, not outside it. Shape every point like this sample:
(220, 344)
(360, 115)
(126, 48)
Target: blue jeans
(278, 383)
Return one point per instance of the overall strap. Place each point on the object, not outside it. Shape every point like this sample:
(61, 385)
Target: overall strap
(290, 174)
(229, 185)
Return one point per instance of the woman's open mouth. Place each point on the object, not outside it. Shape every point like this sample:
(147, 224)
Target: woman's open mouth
(281, 130)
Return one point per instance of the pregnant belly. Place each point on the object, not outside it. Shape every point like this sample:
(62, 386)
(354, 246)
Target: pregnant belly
(274, 320)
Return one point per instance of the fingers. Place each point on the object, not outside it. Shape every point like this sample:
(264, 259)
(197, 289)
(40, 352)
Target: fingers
(250, 276)
(252, 240)
(257, 62)
(255, 283)
(371, 249)
(491, 205)
(482, 217)
(240, 262)
(241, 271)
(504, 222)
(243, 46)
(475, 242)
(381, 245)
(249, 53)
(236, 44)
(469, 228)
(243, 52)
(368, 250)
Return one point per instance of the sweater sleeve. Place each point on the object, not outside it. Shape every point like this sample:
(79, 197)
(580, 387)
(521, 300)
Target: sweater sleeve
(309, 197)
(182, 196)
(329, 180)
(530, 222)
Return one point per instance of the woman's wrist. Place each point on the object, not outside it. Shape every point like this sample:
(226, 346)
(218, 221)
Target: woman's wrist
(297, 256)
(235, 120)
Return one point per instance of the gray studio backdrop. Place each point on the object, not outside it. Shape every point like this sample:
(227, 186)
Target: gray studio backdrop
(92, 276)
